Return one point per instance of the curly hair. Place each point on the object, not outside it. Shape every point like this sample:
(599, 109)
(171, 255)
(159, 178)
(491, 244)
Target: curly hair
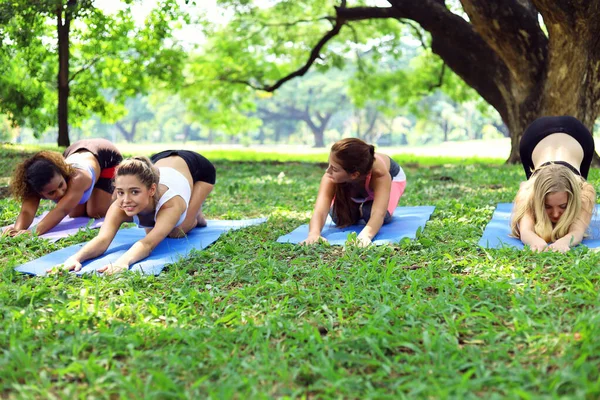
(30, 176)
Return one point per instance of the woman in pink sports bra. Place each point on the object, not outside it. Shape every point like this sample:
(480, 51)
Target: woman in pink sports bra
(358, 184)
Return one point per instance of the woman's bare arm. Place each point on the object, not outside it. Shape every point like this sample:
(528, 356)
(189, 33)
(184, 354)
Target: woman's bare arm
(322, 205)
(166, 220)
(98, 245)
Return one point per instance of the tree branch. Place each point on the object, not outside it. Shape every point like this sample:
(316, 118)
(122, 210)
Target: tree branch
(511, 28)
(84, 68)
(568, 14)
(314, 54)
(417, 32)
(440, 81)
(461, 48)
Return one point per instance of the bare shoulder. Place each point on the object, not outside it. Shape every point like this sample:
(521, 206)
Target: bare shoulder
(79, 180)
(175, 204)
(381, 165)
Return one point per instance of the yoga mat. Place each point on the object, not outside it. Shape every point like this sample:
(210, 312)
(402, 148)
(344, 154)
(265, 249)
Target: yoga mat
(68, 226)
(497, 231)
(404, 224)
(168, 251)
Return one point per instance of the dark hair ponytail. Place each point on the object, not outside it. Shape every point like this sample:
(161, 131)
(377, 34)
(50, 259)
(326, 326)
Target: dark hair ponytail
(354, 155)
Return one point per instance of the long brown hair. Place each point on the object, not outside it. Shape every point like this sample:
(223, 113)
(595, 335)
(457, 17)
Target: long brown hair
(30, 176)
(354, 155)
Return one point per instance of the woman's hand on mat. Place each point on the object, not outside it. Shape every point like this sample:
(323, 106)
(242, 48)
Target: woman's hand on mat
(538, 248)
(113, 268)
(69, 265)
(538, 245)
(561, 245)
(12, 232)
(9, 230)
(363, 241)
(312, 239)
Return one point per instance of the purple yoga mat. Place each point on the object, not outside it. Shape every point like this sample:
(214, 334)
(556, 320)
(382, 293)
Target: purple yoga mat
(68, 226)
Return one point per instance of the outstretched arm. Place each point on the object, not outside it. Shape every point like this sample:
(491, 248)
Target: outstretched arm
(166, 220)
(528, 235)
(322, 205)
(25, 218)
(98, 245)
(526, 225)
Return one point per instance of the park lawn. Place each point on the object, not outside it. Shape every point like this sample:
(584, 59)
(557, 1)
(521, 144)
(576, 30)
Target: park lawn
(435, 317)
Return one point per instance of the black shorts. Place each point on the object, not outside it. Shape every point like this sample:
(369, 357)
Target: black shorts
(546, 126)
(108, 157)
(201, 169)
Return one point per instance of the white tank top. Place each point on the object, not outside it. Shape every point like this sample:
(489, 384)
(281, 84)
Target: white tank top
(177, 185)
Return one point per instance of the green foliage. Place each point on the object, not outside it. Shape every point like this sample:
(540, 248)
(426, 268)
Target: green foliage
(111, 59)
(385, 66)
(436, 317)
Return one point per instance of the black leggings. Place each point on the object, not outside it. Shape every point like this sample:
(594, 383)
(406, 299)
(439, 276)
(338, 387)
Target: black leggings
(361, 211)
(201, 169)
(546, 126)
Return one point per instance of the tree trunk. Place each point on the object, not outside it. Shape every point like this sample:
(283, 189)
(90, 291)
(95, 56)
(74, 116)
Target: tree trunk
(445, 128)
(503, 53)
(127, 134)
(187, 130)
(318, 130)
(63, 28)
(319, 138)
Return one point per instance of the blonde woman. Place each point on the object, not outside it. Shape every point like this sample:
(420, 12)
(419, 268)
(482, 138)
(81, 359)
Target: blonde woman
(554, 207)
(163, 194)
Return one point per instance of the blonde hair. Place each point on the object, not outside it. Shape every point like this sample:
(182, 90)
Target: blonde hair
(30, 176)
(547, 180)
(141, 167)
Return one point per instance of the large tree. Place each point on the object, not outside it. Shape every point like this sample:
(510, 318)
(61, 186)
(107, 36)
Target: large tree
(522, 68)
(71, 49)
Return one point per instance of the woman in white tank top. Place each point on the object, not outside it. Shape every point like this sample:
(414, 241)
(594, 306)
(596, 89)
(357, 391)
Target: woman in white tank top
(164, 198)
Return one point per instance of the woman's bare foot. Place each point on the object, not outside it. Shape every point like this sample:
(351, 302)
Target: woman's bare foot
(201, 222)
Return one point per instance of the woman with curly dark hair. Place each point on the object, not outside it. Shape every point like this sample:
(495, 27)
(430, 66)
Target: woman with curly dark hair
(79, 181)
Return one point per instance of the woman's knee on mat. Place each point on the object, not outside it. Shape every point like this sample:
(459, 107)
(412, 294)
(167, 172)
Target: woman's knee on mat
(365, 211)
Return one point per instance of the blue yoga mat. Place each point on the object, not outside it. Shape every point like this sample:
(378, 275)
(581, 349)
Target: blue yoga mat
(168, 251)
(497, 231)
(404, 224)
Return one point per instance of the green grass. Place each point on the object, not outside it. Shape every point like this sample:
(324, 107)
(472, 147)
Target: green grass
(437, 317)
